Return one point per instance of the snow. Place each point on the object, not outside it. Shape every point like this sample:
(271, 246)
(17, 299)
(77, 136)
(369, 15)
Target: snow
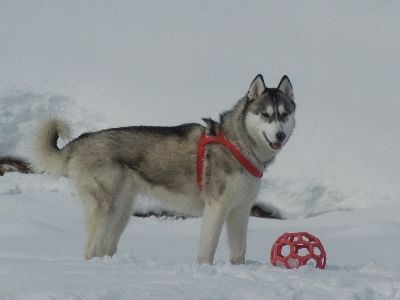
(20, 112)
(42, 238)
(151, 63)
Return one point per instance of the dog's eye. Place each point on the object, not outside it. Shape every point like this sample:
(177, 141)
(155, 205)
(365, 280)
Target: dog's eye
(265, 115)
(284, 115)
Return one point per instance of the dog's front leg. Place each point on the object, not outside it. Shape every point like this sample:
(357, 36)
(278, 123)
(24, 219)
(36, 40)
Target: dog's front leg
(236, 224)
(213, 219)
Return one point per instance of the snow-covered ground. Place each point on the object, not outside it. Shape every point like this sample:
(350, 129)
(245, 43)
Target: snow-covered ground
(42, 238)
(164, 63)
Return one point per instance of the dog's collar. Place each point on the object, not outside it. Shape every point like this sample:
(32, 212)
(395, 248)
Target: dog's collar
(262, 164)
(220, 139)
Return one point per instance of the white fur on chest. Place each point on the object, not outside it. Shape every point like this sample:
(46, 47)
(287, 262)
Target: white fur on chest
(243, 189)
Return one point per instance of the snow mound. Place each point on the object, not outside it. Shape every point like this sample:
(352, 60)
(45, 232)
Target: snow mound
(299, 199)
(20, 114)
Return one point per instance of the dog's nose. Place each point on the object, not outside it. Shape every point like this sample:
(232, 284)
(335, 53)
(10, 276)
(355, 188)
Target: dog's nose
(280, 136)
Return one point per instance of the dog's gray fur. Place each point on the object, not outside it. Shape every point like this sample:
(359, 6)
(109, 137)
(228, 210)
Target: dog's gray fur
(109, 167)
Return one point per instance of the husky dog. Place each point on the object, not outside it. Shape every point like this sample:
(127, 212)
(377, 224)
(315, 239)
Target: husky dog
(110, 167)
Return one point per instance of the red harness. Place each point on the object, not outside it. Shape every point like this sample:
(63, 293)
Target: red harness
(220, 139)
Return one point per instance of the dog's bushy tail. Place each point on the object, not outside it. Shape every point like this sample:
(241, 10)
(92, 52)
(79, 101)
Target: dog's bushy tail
(47, 156)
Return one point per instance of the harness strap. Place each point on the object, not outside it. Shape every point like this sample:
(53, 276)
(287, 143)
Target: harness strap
(220, 139)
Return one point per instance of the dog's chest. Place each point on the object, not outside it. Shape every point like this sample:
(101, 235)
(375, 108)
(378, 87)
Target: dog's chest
(243, 189)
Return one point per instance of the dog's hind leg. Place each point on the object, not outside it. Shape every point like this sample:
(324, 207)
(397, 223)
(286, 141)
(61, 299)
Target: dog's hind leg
(105, 225)
(107, 206)
(122, 215)
(98, 227)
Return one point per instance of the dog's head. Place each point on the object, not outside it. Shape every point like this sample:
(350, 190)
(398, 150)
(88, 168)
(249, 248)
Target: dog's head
(270, 113)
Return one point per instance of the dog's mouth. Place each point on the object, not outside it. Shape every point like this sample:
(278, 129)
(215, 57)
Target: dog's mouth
(274, 146)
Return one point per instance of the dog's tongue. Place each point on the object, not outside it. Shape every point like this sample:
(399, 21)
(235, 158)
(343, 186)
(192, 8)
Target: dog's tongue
(277, 146)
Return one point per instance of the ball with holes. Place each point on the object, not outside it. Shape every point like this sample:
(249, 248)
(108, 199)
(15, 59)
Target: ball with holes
(293, 250)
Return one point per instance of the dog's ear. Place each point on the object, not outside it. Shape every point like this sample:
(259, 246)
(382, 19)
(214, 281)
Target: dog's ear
(286, 87)
(257, 87)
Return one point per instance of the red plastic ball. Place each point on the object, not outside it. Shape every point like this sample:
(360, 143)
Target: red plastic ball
(293, 250)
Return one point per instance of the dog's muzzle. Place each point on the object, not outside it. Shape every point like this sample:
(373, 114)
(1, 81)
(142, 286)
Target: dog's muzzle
(276, 146)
